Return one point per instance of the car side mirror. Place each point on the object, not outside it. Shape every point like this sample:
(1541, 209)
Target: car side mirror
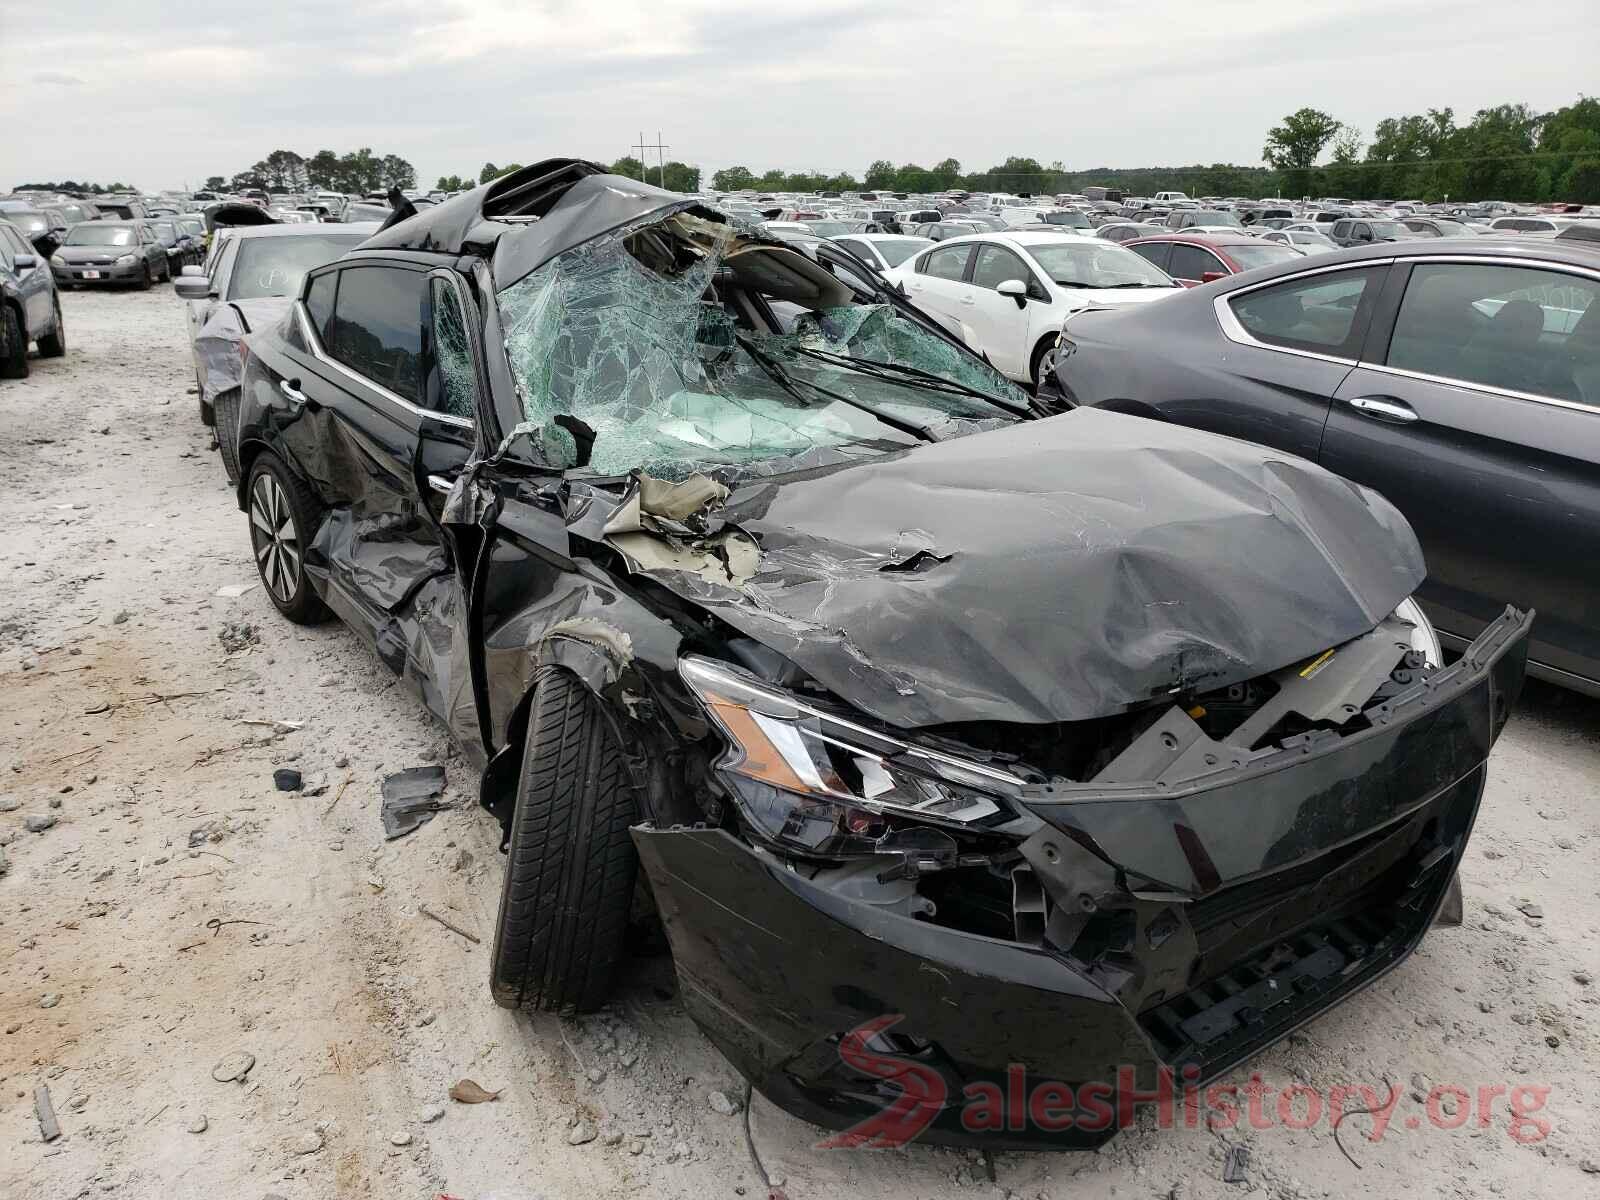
(1016, 289)
(191, 287)
(1213, 276)
(26, 262)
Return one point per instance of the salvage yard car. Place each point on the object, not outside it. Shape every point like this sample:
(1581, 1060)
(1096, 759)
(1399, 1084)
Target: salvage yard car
(1459, 377)
(101, 252)
(726, 603)
(30, 310)
(1006, 294)
(251, 281)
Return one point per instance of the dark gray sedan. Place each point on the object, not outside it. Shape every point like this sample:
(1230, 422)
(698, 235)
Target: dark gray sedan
(1460, 378)
(101, 252)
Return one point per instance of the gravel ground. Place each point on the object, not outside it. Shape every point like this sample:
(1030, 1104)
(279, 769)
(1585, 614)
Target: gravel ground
(144, 706)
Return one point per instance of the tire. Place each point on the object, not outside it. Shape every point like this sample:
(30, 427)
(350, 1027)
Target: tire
(13, 344)
(1044, 357)
(226, 415)
(283, 516)
(571, 864)
(54, 344)
(145, 280)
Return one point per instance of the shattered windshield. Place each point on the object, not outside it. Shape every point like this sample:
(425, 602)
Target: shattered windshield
(663, 362)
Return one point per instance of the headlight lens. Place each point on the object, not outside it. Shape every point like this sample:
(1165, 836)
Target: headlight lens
(1423, 638)
(57, 261)
(829, 785)
(127, 260)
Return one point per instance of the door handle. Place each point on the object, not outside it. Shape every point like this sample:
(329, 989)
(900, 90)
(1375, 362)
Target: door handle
(291, 391)
(1385, 408)
(441, 483)
(967, 299)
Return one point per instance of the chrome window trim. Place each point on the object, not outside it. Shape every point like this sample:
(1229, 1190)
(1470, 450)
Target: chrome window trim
(1235, 332)
(314, 343)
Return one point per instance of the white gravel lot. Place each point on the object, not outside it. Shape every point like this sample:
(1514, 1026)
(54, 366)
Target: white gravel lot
(123, 716)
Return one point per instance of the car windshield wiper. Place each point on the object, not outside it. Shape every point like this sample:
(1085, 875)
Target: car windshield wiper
(887, 370)
(788, 383)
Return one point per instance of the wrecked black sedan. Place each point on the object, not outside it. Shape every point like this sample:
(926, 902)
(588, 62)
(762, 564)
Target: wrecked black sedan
(956, 746)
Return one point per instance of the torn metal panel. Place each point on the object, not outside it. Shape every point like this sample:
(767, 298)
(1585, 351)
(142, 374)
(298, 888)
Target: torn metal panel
(661, 526)
(1096, 561)
(216, 344)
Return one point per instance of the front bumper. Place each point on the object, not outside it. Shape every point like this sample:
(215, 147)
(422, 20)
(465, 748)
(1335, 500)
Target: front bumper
(108, 273)
(778, 971)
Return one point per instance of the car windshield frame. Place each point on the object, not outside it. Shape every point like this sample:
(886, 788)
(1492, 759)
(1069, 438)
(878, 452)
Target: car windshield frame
(261, 249)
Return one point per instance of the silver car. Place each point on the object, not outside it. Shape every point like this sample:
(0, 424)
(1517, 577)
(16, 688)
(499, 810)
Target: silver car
(101, 252)
(250, 280)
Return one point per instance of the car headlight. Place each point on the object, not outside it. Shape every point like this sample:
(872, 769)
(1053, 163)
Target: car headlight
(127, 260)
(57, 261)
(821, 783)
(1423, 638)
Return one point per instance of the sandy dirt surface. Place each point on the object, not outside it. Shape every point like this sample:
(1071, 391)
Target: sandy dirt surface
(180, 910)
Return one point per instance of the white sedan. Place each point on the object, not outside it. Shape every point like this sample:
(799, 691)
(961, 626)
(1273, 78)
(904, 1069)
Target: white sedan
(1006, 294)
(881, 251)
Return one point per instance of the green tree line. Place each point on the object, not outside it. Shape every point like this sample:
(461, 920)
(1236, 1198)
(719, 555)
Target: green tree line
(286, 171)
(1509, 152)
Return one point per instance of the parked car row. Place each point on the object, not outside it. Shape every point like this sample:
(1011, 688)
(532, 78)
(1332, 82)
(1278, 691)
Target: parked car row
(1461, 378)
(728, 618)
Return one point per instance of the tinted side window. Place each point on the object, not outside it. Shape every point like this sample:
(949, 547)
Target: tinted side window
(1322, 313)
(1191, 262)
(996, 265)
(1159, 253)
(377, 326)
(947, 263)
(7, 255)
(1514, 328)
(859, 250)
(319, 302)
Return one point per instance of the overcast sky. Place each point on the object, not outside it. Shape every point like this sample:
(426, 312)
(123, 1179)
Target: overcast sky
(160, 95)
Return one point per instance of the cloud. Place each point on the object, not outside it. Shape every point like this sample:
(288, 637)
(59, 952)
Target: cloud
(167, 94)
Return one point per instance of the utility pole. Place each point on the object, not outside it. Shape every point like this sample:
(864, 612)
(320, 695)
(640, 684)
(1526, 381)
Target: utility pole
(661, 156)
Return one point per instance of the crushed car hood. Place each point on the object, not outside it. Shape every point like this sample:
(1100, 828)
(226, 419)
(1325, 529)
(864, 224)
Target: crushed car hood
(1056, 570)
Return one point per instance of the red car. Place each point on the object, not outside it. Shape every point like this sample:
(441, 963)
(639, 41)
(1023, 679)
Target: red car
(1196, 258)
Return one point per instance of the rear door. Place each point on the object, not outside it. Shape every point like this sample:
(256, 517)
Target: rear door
(1476, 410)
(369, 426)
(936, 282)
(1190, 264)
(1289, 344)
(1157, 253)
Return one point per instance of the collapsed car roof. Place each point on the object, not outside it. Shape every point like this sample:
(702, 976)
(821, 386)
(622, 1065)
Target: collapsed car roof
(526, 218)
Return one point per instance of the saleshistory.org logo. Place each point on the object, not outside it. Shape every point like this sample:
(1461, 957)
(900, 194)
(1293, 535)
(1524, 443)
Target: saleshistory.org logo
(1179, 1101)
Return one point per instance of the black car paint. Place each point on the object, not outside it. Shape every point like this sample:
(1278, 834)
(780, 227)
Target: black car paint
(777, 971)
(1503, 493)
(468, 564)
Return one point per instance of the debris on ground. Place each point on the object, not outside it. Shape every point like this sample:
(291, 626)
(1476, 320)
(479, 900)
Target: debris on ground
(1236, 1169)
(234, 1066)
(466, 1091)
(287, 779)
(238, 635)
(410, 798)
(38, 822)
(49, 1130)
(450, 925)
